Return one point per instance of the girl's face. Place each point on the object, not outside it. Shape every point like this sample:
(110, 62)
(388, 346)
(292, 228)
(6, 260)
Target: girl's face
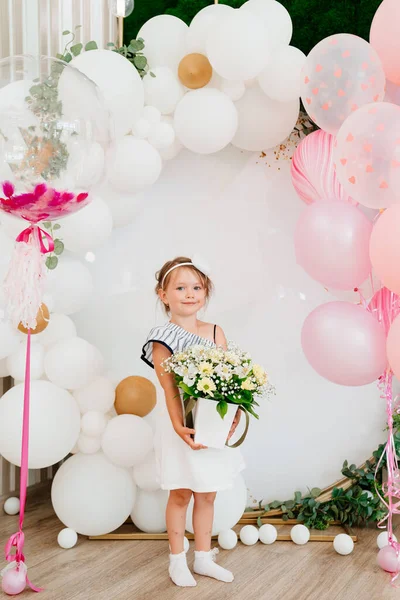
(185, 294)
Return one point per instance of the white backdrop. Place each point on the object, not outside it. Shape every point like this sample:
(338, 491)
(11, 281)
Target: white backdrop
(239, 214)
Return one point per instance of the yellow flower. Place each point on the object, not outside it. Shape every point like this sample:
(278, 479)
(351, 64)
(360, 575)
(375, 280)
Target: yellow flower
(248, 385)
(206, 385)
(205, 368)
(260, 374)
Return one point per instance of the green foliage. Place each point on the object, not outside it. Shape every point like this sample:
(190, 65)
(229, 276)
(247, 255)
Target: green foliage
(52, 257)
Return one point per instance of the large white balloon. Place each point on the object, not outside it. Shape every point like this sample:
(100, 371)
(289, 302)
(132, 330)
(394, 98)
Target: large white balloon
(70, 285)
(162, 89)
(281, 79)
(275, 19)
(73, 363)
(263, 123)
(132, 164)
(98, 394)
(149, 511)
(205, 120)
(54, 424)
(164, 37)
(228, 508)
(127, 440)
(233, 59)
(161, 135)
(60, 327)
(9, 340)
(201, 25)
(145, 474)
(17, 360)
(119, 82)
(91, 495)
(88, 228)
(4, 370)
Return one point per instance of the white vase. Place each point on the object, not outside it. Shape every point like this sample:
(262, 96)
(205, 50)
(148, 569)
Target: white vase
(211, 429)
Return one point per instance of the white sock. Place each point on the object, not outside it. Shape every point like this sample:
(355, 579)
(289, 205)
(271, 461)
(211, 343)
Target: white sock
(179, 571)
(204, 564)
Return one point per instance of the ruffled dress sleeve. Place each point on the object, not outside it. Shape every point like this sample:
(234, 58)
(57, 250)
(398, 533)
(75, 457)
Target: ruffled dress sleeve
(163, 335)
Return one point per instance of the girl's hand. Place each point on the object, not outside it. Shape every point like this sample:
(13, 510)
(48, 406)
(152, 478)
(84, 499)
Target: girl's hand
(185, 433)
(235, 424)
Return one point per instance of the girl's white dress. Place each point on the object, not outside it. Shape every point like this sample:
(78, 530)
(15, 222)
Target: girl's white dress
(180, 467)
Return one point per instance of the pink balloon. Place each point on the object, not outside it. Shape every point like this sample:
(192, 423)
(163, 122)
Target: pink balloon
(313, 173)
(385, 37)
(344, 343)
(393, 346)
(14, 581)
(388, 560)
(341, 73)
(332, 244)
(367, 155)
(385, 248)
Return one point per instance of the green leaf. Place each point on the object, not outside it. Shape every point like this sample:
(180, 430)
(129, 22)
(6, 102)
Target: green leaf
(68, 57)
(259, 522)
(58, 247)
(152, 74)
(222, 408)
(51, 262)
(56, 226)
(315, 492)
(267, 508)
(140, 62)
(66, 32)
(111, 45)
(76, 49)
(276, 504)
(297, 497)
(185, 388)
(91, 46)
(285, 517)
(47, 224)
(78, 26)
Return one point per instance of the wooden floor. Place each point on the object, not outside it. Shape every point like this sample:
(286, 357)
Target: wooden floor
(121, 570)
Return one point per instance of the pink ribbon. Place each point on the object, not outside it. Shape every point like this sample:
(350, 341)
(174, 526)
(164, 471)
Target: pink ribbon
(25, 235)
(17, 539)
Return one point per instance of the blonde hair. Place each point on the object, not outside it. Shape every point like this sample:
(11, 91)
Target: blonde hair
(163, 284)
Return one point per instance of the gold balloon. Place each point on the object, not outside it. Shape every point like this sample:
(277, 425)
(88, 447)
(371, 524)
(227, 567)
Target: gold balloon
(195, 71)
(135, 396)
(42, 319)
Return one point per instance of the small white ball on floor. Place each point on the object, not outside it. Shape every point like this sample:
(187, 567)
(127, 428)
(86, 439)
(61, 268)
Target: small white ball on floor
(343, 544)
(268, 534)
(67, 538)
(11, 506)
(300, 534)
(227, 539)
(383, 539)
(249, 535)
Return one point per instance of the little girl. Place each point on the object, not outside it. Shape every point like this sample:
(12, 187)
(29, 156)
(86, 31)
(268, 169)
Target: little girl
(187, 469)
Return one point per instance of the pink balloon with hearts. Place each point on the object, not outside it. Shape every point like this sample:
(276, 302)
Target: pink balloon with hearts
(342, 73)
(367, 155)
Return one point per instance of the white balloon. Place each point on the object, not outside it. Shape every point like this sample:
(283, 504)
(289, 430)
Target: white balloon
(6, 250)
(201, 25)
(343, 544)
(205, 120)
(91, 495)
(70, 285)
(16, 362)
(173, 150)
(86, 161)
(132, 164)
(227, 539)
(268, 534)
(164, 37)
(119, 82)
(9, 340)
(263, 123)
(54, 424)
(149, 511)
(281, 78)
(88, 228)
(67, 538)
(228, 508)
(300, 534)
(127, 440)
(275, 19)
(249, 535)
(4, 370)
(124, 206)
(161, 135)
(233, 60)
(87, 444)
(233, 89)
(12, 505)
(162, 91)
(60, 327)
(93, 423)
(141, 128)
(98, 395)
(11, 226)
(383, 539)
(73, 363)
(145, 474)
(151, 114)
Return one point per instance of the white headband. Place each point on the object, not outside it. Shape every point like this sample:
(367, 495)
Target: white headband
(196, 262)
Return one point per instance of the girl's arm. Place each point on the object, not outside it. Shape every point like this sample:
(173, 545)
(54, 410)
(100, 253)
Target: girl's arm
(172, 397)
(220, 338)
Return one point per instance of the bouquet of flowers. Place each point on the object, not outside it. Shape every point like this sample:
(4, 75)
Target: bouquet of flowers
(225, 376)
